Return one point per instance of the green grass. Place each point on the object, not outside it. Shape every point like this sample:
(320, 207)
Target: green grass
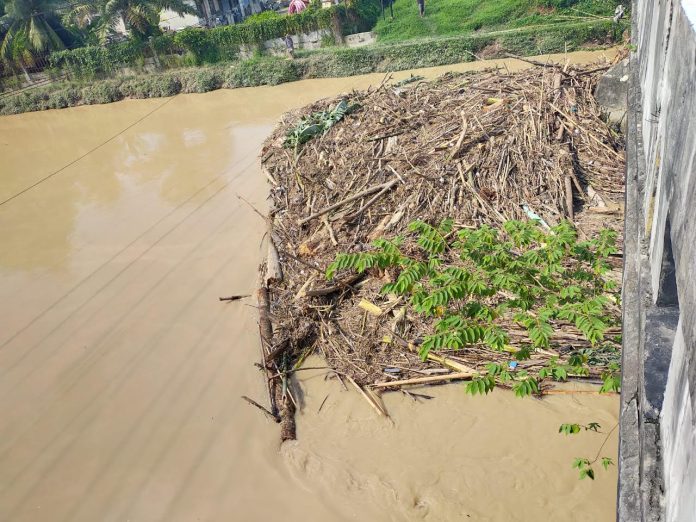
(452, 17)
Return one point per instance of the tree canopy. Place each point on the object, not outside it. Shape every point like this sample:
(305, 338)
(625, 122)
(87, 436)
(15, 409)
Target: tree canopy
(140, 18)
(31, 30)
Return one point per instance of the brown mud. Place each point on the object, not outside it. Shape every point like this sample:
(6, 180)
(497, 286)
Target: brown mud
(121, 372)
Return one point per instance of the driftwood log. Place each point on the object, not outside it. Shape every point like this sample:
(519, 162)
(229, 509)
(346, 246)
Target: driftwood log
(282, 405)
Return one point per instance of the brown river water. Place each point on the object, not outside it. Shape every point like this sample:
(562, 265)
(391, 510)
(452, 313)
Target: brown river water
(121, 373)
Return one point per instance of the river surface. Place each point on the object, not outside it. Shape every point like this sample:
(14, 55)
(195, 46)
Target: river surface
(121, 372)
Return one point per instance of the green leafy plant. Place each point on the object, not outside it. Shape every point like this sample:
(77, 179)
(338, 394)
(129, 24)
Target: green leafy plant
(475, 283)
(611, 378)
(583, 464)
(317, 123)
(482, 385)
(572, 429)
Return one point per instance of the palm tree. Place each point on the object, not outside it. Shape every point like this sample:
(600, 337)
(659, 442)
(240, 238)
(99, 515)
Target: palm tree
(29, 34)
(139, 17)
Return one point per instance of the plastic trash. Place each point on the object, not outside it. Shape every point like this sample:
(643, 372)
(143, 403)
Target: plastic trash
(535, 217)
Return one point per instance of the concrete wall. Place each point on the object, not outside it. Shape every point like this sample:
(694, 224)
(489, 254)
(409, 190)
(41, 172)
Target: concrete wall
(312, 40)
(657, 475)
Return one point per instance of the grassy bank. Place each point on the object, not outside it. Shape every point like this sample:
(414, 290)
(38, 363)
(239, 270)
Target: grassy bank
(444, 17)
(332, 62)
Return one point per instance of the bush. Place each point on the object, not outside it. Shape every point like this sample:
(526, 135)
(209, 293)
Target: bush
(107, 91)
(197, 43)
(201, 80)
(67, 97)
(262, 71)
(153, 86)
(214, 45)
(92, 62)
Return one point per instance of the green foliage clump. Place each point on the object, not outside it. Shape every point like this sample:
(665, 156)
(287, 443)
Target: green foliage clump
(222, 43)
(201, 79)
(150, 86)
(269, 70)
(63, 98)
(102, 92)
(574, 428)
(537, 278)
(92, 62)
(317, 123)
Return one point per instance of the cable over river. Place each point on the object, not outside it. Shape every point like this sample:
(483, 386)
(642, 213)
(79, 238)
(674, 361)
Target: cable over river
(121, 372)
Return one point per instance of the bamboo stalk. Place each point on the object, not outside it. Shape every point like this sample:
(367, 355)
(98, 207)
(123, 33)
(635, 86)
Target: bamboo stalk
(459, 376)
(441, 359)
(371, 401)
(340, 285)
(266, 332)
(274, 271)
(268, 414)
(352, 198)
(282, 404)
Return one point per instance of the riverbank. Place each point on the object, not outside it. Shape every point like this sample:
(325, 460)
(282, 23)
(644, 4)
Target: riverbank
(450, 17)
(324, 63)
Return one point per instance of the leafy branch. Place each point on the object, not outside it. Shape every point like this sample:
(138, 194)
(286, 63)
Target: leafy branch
(478, 286)
(583, 464)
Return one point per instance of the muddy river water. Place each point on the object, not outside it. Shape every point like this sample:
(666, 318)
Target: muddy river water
(121, 373)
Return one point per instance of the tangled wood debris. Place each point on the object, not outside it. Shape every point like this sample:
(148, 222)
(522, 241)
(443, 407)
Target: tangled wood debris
(479, 148)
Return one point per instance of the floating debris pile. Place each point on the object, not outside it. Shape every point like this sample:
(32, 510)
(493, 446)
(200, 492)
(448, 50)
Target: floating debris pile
(466, 149)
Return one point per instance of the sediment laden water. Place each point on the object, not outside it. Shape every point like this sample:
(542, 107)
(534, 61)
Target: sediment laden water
(120, 372)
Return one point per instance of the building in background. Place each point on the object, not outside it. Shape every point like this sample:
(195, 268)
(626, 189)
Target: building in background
(213, 13)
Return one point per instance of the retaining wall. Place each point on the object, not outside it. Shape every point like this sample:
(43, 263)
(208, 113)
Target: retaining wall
(657, 452)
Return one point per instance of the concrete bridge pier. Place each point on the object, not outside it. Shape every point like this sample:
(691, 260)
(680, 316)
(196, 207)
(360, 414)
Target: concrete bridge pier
(657, 452)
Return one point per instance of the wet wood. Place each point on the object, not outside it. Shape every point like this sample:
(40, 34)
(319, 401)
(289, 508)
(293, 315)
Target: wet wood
(350, 199)
(266, 332)
(420, 381)
(274, 418)
(274, 271)
(282, 404)
(340, 285)
(233, 297)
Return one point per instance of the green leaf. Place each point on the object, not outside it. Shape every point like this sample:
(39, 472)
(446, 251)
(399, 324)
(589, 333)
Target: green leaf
(606, 462)
(560, 373)
(593, 426)
(569, 429)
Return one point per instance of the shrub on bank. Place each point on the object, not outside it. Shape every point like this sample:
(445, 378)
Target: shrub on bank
(94, 61)
(263, 71)
(200, 79)
(150, 86)
(106, 91)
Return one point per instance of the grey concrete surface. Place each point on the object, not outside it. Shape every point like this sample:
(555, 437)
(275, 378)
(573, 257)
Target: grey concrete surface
(612, 93)
(657, 461)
